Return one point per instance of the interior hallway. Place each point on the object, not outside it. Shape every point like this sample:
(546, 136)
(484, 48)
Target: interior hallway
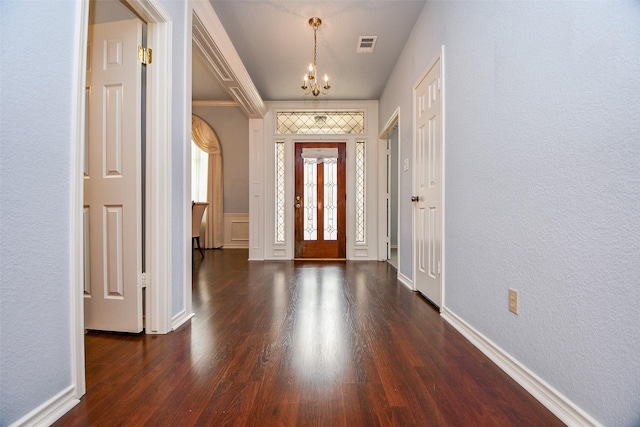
(299, 343)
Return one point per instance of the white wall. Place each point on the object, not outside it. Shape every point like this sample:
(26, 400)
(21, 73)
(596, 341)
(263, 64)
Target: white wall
(36, 87)
(542, 111)
(180, 12)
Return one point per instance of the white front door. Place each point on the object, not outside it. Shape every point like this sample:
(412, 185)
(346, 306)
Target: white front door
(112, 192)
(428, 185)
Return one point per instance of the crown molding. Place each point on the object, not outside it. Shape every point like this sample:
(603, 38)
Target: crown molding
(213, 103)
(214, 46)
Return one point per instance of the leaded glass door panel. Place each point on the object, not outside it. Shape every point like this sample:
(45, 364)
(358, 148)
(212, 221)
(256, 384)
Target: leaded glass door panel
(320, 200)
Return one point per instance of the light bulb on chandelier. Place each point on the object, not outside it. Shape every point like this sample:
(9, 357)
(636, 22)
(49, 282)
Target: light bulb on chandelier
(310, 81)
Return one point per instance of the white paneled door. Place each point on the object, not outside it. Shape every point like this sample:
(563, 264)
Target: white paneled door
(112, 193)
(428, 185)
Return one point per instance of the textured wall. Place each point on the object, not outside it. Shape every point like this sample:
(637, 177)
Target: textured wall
(542, 185)
(232, 127)
(35, 142)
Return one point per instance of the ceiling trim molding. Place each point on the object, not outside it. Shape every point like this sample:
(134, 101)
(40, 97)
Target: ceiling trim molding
(214, 46)
(213, 103)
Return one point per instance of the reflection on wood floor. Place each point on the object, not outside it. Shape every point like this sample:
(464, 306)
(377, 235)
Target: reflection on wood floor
(291, 343)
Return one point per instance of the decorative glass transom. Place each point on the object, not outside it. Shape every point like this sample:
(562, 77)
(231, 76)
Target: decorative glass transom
(279, 191)
(319, 122)
(360, 192)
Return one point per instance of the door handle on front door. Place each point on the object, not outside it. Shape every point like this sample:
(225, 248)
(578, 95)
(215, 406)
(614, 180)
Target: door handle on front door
(415, 198)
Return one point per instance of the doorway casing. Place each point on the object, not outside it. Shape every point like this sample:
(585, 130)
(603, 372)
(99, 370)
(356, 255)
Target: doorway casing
(383, 183)
(158, 180)
(263, 138)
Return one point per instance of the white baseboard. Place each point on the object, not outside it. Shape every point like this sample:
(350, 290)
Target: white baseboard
(405, 281)
(568, 412)
(180, 319)
(51, 410)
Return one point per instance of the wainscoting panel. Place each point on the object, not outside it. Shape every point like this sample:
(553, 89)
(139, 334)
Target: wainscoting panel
(236, 230)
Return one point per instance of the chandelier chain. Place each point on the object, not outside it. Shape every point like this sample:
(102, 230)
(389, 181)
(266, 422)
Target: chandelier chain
(310, 83)
(315, 45)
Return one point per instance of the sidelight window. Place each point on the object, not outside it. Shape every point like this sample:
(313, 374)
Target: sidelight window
(360, 192)
(279, 191)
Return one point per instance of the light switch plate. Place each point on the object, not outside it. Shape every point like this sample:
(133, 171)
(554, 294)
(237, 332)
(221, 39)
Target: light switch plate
(513, 301)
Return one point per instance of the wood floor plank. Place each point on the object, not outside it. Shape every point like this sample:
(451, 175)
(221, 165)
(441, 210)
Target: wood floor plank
(368, 405)
(299, 343)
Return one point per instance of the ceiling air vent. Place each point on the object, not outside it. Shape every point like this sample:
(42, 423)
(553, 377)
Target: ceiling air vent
(366, 44)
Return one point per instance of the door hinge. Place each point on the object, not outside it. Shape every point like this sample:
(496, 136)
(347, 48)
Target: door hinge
(143, 280)
(144, 55)
(439, 83)
(439, 267)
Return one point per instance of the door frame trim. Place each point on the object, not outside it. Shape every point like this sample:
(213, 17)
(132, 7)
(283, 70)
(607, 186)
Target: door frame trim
(438, 57)
(158, 240)
(383, 178)
(76, 225)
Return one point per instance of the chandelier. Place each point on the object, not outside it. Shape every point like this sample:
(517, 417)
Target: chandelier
(310, 84)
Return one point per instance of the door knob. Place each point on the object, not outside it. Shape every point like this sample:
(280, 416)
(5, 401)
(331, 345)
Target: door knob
(297, 205)
(415, 198)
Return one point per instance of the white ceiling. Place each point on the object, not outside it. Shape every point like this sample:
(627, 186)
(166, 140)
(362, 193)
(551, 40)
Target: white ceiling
(275, 43)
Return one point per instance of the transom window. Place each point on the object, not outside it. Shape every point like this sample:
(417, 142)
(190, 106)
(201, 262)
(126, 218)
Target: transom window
(319, 122)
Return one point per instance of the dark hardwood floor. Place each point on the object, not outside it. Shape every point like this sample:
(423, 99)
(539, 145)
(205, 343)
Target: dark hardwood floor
(293, 343)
